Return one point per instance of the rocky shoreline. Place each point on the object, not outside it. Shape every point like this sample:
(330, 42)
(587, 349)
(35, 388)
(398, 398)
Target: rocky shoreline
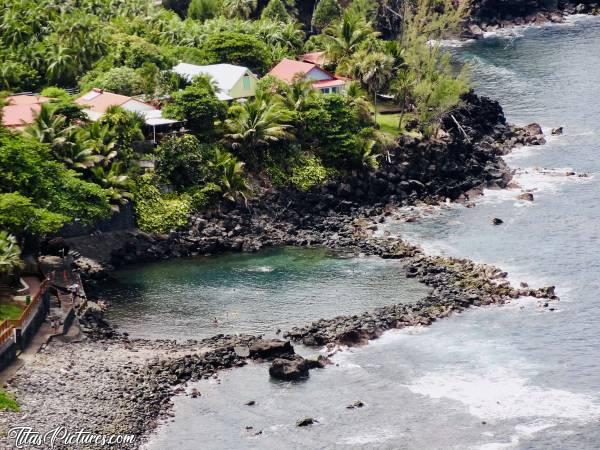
(108, 383)
(492, 16)
(112, 384)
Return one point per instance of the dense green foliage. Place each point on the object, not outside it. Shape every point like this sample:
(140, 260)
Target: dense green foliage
(325, 13)
(203, 9)
(309, 172)
(276, 11)
(65, 167)
(236, 48)
(157, 212)
(50, 192)
(198, 105)
(184, 162)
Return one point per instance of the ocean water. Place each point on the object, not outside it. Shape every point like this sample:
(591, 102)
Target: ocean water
(259, 293)
(517, 376)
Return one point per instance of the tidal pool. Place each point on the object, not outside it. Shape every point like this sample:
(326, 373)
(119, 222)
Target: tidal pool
(251, 293)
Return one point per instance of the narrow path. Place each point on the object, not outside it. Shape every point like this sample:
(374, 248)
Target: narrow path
(29, 354)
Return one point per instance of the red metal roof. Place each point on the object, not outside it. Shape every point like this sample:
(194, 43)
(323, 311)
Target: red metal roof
(317, 58)
(287, 69)
(99, 101)
(21, 110)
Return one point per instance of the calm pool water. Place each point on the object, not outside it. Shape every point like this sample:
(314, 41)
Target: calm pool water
(252, 293)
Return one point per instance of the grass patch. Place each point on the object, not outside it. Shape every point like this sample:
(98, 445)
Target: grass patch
(388, 123)
(8, 402)
(10, 311)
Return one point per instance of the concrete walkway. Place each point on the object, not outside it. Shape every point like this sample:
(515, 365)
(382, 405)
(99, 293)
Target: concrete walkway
(44, 334)
(28, 355)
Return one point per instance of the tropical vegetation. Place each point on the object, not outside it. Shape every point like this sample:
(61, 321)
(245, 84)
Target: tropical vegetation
(65, 168)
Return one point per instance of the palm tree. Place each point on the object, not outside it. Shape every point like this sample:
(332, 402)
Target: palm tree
(374, 69)
(239, 8)
(401, 87)
(347, 35)
(259, 124)
(231, 176)
(115, 181)
(367, 148)
(299, 94)
(288, 36)
(10, 253)
(51, 128)
(47, 125)
(62, 65)
(359, 100)
(69, 149)
(97, 139)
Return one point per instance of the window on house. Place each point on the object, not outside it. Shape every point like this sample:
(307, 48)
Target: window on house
(246, 82)
(325, 90)
(334, 90)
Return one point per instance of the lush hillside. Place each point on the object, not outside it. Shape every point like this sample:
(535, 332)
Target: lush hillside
(65, 167)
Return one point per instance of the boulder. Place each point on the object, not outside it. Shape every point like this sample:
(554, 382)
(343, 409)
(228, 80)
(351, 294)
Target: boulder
(305, 422)
(533, 134)
(527, 196)
(356, 404)
(557, 131)
(270, 348)
(289, 369)
(496, 221)
(475, 31)
(533, 129)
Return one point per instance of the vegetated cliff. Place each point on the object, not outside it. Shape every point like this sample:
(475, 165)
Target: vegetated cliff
(467, 157)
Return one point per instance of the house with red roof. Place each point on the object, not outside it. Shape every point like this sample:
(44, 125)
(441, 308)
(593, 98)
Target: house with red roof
(288, 69)
(96, 102)
(21, 110)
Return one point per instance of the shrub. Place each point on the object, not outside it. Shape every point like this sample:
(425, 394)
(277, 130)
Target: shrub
(134, 52)
(184, 161)
(276, 11)
(237, 48)
(55, 93)
(309, 172)
(203, 197)
(121, 80)
(19, 214)
(203, 9)
(27, 168)
(17, 77)
(156, 213)
(198, 105)
(332, 125)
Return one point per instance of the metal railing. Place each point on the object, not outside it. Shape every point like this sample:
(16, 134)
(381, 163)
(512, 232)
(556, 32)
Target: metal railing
(7, 326)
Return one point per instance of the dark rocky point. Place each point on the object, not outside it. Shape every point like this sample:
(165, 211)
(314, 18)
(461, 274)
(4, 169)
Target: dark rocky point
(305, 422)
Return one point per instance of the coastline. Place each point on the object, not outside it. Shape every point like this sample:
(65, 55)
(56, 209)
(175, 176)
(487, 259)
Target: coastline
(140, 376)
(483, 26)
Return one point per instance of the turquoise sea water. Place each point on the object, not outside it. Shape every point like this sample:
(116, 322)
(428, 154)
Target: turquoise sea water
(251, 293)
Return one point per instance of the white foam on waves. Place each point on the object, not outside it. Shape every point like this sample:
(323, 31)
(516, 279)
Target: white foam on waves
(502, 394)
